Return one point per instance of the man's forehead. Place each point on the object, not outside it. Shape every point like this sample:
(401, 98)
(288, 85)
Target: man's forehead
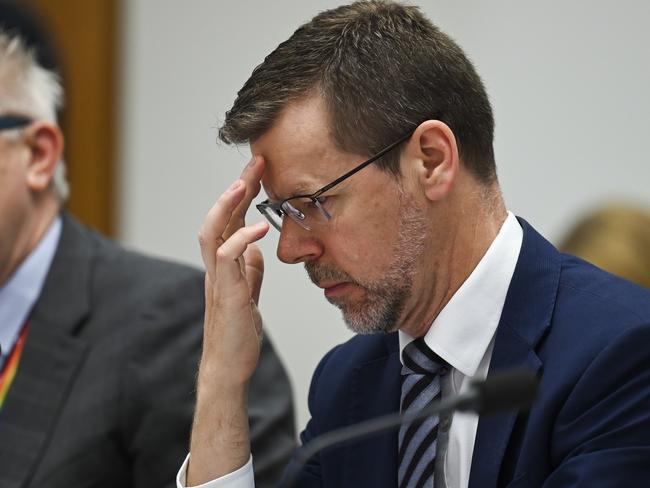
(284, 178)
(297, 150)
(300, 153)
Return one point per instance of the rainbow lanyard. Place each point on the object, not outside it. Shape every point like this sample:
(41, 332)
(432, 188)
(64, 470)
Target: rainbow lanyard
(8, 372)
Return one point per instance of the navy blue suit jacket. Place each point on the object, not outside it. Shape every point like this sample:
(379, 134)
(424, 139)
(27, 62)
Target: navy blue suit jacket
(586, 333)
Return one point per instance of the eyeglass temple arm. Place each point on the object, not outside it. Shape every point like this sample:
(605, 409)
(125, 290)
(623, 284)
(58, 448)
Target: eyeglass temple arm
(362, 165)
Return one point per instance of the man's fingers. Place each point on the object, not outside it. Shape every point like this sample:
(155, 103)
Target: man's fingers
(254, 270)
(228, 254)
(216, 221)
(226, 216)
(251, 176)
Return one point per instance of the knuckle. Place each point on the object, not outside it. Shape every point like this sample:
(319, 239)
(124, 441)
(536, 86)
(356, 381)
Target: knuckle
(246, 232)
(240, 233)
(222, 255)
(213, 212)
(219, 207)
(219, 204)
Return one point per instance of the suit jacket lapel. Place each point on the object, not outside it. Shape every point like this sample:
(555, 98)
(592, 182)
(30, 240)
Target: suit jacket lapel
(375, 391)
(51, 359)
(526, 316)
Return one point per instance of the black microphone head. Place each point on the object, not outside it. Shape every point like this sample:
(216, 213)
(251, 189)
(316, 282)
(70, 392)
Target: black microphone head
(507, 390)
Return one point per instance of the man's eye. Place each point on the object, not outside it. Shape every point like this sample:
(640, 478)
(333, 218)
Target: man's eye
(322, 199)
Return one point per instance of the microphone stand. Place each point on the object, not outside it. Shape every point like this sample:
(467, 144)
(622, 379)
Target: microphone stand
(483, 397)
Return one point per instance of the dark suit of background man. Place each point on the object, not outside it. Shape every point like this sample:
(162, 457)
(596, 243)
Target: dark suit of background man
(417, 248)
(105, 342)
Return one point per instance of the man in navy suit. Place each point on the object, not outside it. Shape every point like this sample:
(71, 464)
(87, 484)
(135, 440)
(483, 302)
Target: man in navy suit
(372, 135)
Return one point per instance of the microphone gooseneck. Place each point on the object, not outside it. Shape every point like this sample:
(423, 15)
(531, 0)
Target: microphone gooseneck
(507, 390)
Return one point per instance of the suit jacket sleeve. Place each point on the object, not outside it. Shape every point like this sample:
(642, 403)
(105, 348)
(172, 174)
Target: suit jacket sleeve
(602, 434)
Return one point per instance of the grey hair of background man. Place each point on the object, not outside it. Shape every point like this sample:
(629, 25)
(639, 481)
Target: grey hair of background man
(31, 90)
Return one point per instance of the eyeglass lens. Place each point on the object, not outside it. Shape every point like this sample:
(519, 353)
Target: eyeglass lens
(307, 212)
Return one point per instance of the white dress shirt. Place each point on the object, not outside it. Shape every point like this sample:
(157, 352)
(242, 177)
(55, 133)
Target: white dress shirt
(463, 335)
(19, 294)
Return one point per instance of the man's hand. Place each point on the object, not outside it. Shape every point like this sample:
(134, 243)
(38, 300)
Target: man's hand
(232, 330)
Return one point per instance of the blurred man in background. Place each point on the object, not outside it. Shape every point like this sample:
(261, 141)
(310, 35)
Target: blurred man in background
(99, 345)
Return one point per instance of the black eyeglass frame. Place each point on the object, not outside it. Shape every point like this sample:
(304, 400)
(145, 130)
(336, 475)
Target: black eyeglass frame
(278, 208)
(8, 122)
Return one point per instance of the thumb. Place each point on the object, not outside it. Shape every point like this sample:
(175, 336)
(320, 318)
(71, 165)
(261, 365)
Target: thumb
(254, 270)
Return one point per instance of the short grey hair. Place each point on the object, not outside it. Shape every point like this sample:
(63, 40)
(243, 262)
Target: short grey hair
(31, 90)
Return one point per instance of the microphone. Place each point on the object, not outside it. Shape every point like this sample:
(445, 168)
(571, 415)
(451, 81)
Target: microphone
(508, 390)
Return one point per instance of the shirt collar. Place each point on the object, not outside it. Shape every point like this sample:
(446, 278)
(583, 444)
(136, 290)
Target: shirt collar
(19, 294)
(463, 330)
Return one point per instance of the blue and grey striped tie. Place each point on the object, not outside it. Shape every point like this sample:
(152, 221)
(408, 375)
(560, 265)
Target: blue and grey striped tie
(418, 439)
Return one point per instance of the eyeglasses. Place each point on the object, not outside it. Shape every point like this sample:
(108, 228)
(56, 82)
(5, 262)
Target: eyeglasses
(308, 210)
(8, 122)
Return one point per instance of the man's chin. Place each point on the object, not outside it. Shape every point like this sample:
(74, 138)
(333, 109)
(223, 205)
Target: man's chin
(347, 302)
(364, 323)
(361, 315)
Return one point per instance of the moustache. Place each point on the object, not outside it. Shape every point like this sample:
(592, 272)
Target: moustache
(319, 272)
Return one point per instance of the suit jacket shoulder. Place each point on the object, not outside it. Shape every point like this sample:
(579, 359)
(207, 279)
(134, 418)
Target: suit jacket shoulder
(583, 331)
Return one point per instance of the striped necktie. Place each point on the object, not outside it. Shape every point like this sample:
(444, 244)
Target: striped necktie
(418, 439)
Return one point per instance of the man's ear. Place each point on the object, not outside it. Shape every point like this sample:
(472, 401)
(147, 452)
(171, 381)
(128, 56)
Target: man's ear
(434, 158)
(45, 143)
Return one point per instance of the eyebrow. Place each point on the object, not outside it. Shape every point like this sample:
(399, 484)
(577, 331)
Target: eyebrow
(298, 190)
(303, 189)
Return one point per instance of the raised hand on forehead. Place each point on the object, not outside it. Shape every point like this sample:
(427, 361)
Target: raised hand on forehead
(232, 329)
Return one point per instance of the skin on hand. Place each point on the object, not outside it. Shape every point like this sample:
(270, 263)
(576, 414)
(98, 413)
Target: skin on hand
(232, 330)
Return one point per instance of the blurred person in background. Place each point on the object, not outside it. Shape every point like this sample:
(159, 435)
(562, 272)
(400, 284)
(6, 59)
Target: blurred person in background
(99, 345)
(616, 238)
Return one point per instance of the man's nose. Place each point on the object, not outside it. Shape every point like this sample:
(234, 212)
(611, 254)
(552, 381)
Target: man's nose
(297, 245)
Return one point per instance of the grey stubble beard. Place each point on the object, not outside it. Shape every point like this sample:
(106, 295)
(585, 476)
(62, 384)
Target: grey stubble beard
(386, 297)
